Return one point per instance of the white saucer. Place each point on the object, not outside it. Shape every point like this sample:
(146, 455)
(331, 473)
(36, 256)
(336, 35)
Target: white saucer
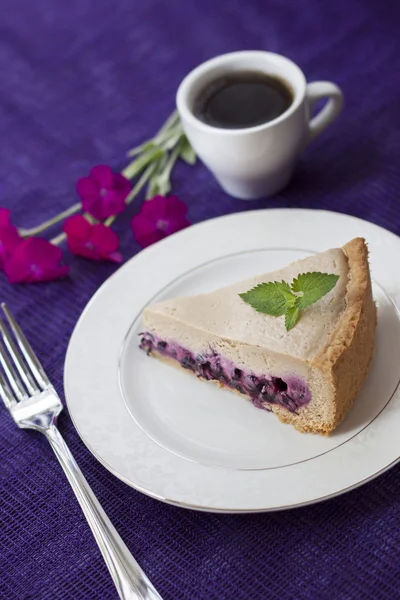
(189, 443)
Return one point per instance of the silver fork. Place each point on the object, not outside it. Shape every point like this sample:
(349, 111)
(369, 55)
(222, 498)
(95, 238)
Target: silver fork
(34, 404)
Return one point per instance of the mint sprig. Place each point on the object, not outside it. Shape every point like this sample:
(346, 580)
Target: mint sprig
(278, 298)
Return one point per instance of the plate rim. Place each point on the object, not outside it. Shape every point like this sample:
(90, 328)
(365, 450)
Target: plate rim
(155, 248)
(238, 511)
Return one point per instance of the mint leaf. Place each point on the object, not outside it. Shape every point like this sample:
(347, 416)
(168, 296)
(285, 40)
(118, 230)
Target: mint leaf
(291, 317)
(271, 298)
(277, 298)
(312, 286)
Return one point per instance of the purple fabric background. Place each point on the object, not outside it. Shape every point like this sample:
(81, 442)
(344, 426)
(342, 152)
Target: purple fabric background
(83, 81)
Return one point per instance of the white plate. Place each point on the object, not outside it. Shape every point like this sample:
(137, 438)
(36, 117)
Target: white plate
(189, 443)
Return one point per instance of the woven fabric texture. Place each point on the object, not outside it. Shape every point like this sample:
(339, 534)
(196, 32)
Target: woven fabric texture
(82, 82)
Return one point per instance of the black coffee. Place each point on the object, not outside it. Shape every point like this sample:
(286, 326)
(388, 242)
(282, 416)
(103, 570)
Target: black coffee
(242, 99)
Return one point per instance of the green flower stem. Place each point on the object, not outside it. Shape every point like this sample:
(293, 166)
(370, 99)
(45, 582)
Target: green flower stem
(170, 122)
(173, 138)
(56, 241)
(161, 182)
(172, 160)
(138, 165)
(47, 224)
(163, 134)
(153, 187)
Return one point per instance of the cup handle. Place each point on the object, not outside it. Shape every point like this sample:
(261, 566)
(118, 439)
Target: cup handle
(317, 91)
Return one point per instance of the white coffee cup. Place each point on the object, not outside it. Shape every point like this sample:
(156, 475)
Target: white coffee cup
(256, 161)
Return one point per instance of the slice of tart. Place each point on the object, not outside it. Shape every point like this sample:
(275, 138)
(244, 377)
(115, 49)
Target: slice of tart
(308, 376)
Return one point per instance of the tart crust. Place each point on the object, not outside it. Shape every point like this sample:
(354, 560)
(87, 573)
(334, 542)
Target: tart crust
(340, 368)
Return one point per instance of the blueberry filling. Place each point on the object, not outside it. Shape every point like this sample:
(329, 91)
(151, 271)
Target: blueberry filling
(263, 390)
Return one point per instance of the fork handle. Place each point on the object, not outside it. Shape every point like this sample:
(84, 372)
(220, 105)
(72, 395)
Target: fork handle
(129, 579)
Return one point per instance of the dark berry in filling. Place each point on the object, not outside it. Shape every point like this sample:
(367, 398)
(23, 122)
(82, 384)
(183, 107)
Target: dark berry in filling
(187, 362)
(263, 390)
(237, 375)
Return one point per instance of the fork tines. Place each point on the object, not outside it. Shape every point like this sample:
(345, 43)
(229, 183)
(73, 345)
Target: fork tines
(23, 374)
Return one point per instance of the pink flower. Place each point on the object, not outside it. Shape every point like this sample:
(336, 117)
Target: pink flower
(103, 193)
(96, 242)
(9, 237)
(158, 218)
(35, 259)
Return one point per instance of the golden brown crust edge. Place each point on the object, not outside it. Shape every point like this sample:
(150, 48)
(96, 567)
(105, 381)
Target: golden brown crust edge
(346, 358)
